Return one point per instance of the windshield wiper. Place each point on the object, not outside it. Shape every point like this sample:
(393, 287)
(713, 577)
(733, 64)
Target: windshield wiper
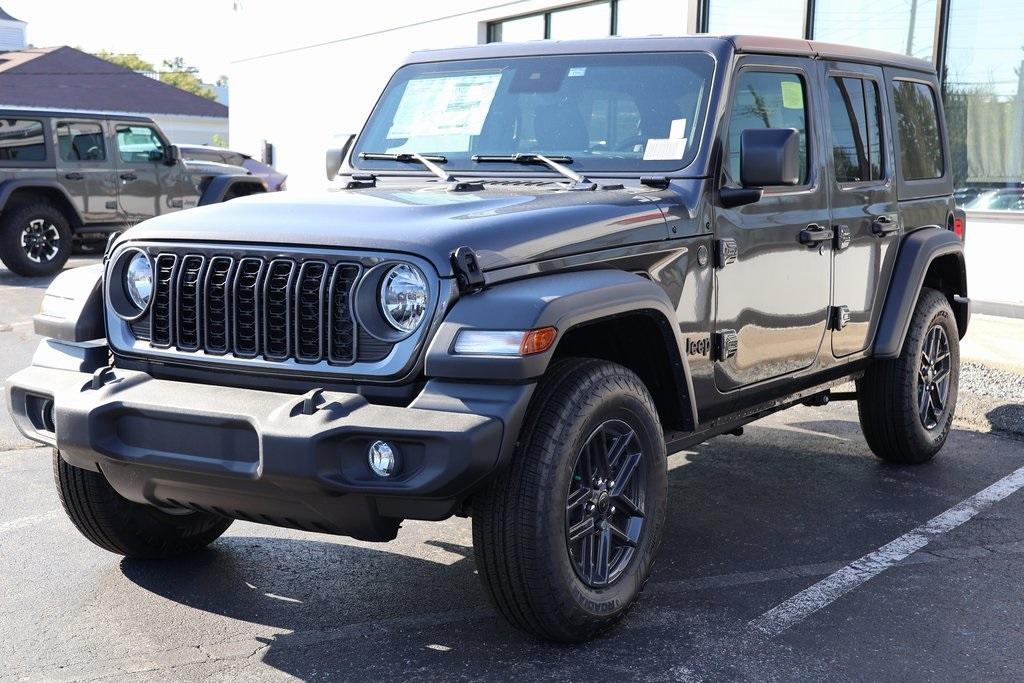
(454, 184)
(579, 181)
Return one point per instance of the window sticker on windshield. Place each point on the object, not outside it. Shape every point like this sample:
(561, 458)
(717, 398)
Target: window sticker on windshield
(577, 71)
(664, 149)
(450, 105)
(792, 95)
(678, 129)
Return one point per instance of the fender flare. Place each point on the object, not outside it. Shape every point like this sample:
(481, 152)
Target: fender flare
(9, 187)
(219, 187)
(563, 301)
(917, 253)
(72, 308)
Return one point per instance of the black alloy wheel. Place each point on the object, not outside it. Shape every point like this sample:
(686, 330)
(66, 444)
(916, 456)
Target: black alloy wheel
(933, 377)
(604, 513)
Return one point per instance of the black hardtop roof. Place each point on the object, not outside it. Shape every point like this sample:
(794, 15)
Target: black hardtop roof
(714, 44)
(68, 114)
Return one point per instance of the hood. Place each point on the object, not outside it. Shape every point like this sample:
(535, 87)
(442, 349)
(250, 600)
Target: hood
(505, 224)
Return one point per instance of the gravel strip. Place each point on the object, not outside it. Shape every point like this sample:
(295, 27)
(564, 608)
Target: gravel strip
(987, 381)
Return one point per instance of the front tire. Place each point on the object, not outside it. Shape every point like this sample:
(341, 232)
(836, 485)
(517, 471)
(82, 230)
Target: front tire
(906, 404)
(125, 527)
(566, 536)
(35, 239)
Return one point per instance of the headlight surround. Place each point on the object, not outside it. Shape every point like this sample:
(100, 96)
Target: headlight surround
(138, 280)
(403, 297)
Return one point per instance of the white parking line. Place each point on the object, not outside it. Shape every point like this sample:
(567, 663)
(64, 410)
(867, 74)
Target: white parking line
(22, 522)
(832, 587)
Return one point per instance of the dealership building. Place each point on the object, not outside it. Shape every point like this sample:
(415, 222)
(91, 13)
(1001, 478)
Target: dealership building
(293, 95)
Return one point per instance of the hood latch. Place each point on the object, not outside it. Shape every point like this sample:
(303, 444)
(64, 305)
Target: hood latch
(467, 270)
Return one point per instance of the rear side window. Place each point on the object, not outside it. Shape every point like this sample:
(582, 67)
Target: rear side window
(22, 140)
(917, 124)
(767, 99)
(81, 142)
(856, 121)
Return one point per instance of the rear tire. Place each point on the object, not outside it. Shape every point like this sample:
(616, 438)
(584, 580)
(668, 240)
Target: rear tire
(906, 404)
(541, 525)
(35, 239)
(127, 528)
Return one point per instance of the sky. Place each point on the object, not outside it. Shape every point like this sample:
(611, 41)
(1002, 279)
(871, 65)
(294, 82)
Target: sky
(198, 30)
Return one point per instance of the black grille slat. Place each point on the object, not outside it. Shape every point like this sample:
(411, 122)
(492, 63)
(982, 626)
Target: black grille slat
(188, 310)
(247, 298)
(217, 300)
(252, 305)
(277, 309)
(162, 315)
(341, 342)
(309, 311)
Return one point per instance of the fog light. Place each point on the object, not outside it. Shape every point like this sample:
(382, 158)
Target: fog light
(383, 459)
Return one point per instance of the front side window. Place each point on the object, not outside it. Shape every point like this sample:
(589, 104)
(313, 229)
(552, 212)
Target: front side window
(22, 140)
(81, 142)
(766, 99)
(139, 144)
(917, 124)
(855, 117)
(608, 112)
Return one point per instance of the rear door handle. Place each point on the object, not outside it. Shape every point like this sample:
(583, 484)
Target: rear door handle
(74, 176)
(128, 176)
(883, 225)
(815, 234)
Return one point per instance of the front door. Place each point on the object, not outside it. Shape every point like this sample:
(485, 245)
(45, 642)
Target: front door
(145, 181)
(775, 294)
(86, 170)
(863, 192)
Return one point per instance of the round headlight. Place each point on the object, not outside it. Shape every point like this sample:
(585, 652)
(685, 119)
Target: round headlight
(138, 280)
(403, 297)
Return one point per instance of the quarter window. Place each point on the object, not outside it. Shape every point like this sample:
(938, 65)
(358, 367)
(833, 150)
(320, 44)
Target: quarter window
(856, 117)
(81, 142)
(767, 99)
(917, 124)
(22, 140)
(139, 144)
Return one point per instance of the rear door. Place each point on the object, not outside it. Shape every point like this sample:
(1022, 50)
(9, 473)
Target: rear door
(86, 169)
(775, 294)
(862, 188)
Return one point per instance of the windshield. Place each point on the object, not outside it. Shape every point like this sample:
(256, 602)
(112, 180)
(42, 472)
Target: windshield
(632, 113)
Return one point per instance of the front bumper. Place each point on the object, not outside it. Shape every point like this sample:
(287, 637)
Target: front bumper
(272, 457)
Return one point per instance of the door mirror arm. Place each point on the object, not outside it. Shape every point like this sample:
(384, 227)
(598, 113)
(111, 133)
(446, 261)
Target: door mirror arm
(731, 197)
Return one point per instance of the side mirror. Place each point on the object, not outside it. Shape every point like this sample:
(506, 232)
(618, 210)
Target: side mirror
(171, 155)
(156, 155)
(336, 155)
(769, 156)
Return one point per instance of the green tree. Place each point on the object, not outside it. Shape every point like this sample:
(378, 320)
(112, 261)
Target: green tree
(128, 61)
(177, 73)
(174, 72)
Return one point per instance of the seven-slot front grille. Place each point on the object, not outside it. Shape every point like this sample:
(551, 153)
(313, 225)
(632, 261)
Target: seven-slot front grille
(279, 309)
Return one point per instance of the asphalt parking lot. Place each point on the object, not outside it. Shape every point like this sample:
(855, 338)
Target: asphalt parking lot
(791, 553)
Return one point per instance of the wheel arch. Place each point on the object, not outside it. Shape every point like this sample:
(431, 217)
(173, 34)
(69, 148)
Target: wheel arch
(607, 314)
(929, 257)
(19, 192)
(218, 188)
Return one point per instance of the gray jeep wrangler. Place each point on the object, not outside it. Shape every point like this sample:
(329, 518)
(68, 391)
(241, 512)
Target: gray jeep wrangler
(67, 176)
(543, 268)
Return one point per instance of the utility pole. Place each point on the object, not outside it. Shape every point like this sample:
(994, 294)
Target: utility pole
(910, 31)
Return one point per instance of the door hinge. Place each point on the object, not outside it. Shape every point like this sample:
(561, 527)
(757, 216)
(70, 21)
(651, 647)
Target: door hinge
(467, 270)
(843, 237)
(726, 252)
(839, 317)
(726, 343)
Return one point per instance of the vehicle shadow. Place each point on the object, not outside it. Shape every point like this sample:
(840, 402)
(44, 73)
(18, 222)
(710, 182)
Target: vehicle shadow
(1007, 418)
(775, 498)
(9, 279)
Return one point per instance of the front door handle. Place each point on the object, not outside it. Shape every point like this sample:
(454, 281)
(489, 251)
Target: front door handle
(74, 176)
(883, 225)
(815, 234)
(128, 176)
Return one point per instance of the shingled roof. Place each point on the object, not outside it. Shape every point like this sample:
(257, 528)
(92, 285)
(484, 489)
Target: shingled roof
(66, 78)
